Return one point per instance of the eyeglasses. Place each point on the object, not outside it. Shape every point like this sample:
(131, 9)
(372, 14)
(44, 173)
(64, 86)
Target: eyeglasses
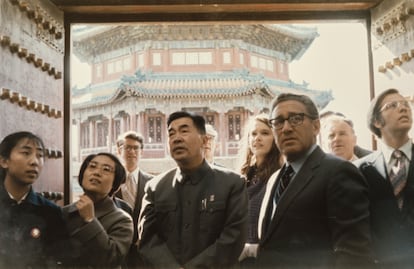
(131, 148)
(105, 169)
(210, 137)
(394, 105)
(294, 120)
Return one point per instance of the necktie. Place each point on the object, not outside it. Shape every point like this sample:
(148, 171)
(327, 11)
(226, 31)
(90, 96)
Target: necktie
(130, 190)
(398, 176)
(284, 182)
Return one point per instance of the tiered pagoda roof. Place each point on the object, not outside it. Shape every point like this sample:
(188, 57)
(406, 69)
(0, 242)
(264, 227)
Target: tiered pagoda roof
(285, 42)
(229, 84)
(290, 40)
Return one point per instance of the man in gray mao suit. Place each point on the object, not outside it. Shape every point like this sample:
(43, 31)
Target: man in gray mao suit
(195, 215)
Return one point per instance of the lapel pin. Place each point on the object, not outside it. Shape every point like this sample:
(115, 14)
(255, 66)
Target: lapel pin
(204, 204)
(35, 233)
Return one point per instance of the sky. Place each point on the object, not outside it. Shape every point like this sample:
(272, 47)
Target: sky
(337, 60)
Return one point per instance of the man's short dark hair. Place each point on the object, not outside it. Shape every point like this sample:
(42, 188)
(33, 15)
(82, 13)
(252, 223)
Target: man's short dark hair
(199, 121)
(310, 106)
(374, 113)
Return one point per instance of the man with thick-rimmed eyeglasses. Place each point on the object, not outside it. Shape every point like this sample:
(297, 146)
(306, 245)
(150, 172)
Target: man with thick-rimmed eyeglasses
(315, 210)
(130, 145)
(390, 174)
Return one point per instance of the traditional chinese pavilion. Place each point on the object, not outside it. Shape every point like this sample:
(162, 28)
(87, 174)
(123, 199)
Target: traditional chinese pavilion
(143, 73)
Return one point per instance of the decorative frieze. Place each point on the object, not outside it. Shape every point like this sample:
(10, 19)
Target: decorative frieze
(398, 61)
(52, 195)
(53, 153)
(391, 25)
(48, 29)
(28, 104)
(30, 57)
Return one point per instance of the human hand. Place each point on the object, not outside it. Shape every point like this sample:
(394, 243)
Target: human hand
(249, 250)
(86, 208)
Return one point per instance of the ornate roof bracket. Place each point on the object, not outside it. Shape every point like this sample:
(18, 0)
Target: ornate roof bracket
(30, 57)
(398, 61)
(26, 103)
(392, 24)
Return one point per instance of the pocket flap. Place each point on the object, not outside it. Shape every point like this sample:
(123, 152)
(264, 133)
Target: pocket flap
(214, 206)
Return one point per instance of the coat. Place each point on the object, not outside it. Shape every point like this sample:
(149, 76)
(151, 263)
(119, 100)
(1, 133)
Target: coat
(321, 220)
(102, 243)
(202, 224)
(30, 232)
(392, 229)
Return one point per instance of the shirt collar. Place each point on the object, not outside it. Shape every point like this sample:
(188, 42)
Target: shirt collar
(196, 176)
(387, 151)
(354, 158)
(135, 173)
(297, 164)
(29, 197)
(21, 200)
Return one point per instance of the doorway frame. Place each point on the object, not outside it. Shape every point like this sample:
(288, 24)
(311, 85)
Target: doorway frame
(169, 16)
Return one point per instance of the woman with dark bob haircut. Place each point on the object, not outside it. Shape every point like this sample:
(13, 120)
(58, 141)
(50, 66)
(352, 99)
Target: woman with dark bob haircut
(120, 174)
(101, 233)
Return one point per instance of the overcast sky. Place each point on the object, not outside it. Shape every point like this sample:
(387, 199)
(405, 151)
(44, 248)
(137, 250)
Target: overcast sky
(338, 60)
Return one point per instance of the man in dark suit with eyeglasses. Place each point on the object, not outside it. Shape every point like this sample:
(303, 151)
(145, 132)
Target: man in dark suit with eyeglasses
(315, 210)
(390, 175)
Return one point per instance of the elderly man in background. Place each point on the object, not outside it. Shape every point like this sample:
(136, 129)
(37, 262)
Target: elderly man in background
(339, 136)
(359, 151)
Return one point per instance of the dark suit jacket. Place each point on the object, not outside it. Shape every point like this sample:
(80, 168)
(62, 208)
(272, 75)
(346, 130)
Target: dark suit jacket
(322, 219)
(217, 217)
(392, 228)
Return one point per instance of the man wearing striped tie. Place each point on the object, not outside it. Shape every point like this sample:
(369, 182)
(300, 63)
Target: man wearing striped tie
(390, 175)
(130, 146)
(315, 211)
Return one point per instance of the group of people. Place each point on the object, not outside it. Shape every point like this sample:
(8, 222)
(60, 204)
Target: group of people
(290, 204)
